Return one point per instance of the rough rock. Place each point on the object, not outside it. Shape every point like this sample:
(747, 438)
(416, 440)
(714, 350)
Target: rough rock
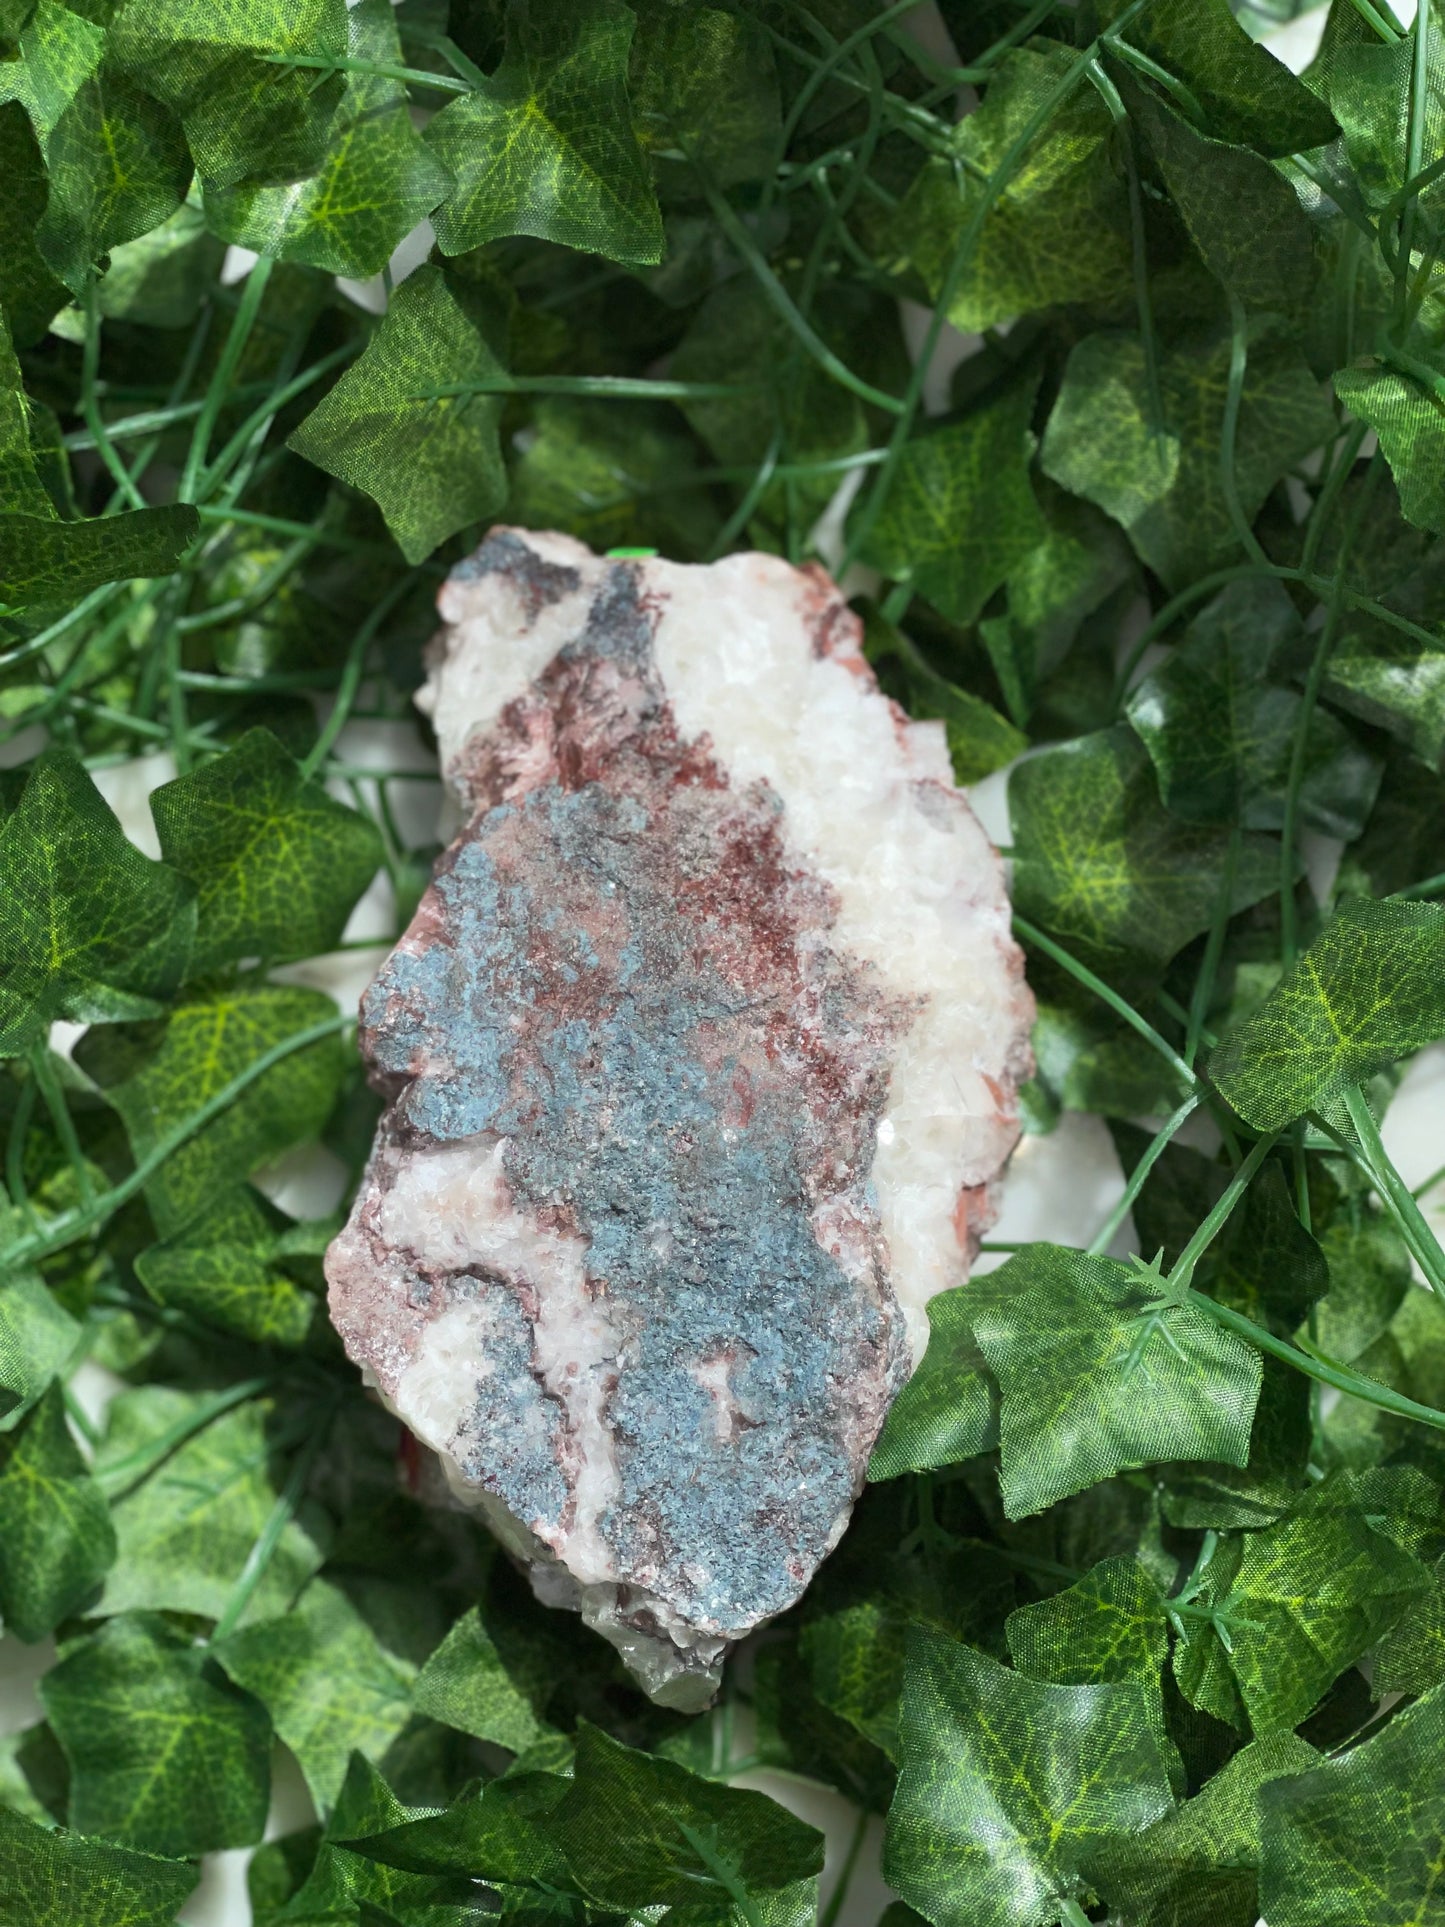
(701, 1053)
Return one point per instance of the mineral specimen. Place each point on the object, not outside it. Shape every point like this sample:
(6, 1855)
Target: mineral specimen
(701, 1053)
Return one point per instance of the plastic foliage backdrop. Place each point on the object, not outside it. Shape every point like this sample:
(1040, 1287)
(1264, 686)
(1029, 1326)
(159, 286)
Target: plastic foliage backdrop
(1142, 1617)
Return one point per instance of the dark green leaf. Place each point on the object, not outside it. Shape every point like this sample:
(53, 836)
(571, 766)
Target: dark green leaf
(42, 560)
(1411, 1656)
(960, 515)
(948, 1410)
(1098, 860)
(1358, 1839)
(277, 864)
(545, 145)
(704, 86)
(56, 1539)
(1108, 1626)
(378, 179)
(163, 1753)
(1404, 840)
(431, 461)
(1369, 991)
(158, 1075)
(1087, 1061)
(37, 1336)
(59, 1879)
(1219, 723)
(89, 928)
(225, 1269)
(1369, 1276)
(1007, 1784)
(1098, 1371)
(1409, 418)
(162, 278)
(29, 291)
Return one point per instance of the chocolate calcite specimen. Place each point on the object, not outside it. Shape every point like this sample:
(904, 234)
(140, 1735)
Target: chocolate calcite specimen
(701, 1053)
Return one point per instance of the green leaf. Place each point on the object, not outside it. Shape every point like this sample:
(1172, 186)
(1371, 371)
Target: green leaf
(58, 1879)
(1246, 92)
(466, 1684)
(948, 1410)
(1059, 230)
(163, 1753)
(1404, 840)
(979, 739)
(505, 1834)
(243, 115)
(1369, 1276)
(960, 515)
(704, 86)
(1098, 1372)
(161, 279)
(327, 1681)
(339, 1882)
(1166, 488)
(89, 928)
(1294, 1605)
(1088, 1061)
(29, 293)
(277, 864)
(1409, 418)
(1098, 860)
(1007, 1784)
(378, 179)
(545, 146)
(45, 560)
(431, 462)
(225, 1269)
(1367, 992)
(1411, 1656)
(185, 1531)
(37, 1337)
(1107, 1626)
(1197, 1867)
(1220, 724)
(1359, 1837)
(56, 1539)
(59, 49)
(159, 1074)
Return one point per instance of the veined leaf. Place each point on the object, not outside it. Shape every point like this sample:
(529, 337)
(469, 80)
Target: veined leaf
(60, 1878)
(56, 1539)
(466, 1684)
(948, 1410)
(1409, 418)
(225, 1269)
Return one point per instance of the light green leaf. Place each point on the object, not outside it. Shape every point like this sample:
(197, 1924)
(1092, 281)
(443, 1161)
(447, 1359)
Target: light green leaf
(225, 1269)
(1098, 860)
(1166, 488)
(948, 1410)
(277, 864)
(327, 1681)
(163, 1753)
(58, 1879)
(1099, 1372)
(466, 1684)
(960, 515)
(1367, 992)
(1107, 1626)
(89, 928)
(378, 179)
(158, 1075)
(431, 461)
(1007, 1784)
(1293, 1605)
(59, 49)
(1358, 1839)
(1409, 418)
(56, 1539)
(545, 145)
(186, 1529)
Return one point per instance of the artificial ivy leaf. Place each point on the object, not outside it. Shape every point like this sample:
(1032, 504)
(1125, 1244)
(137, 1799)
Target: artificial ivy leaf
(44, 560)
(1404, 841)
(1006, 1784)
(1059, 230)
(161, 279)
(59, 49)
(158, 1075)
(1242, 214)
(1107, 1626)
(29, 292)
(1198, 1866)
(215, 67)
(1369, 1276)
(503, 1834)
(1088, 1061)
(331, 1687)
(1221, 1497)
(1100, 1369)
(545, 146)
(55, 1878)
(1246, 92)
(1358, 1838)
(277, 864)
(1162, 481)
(466, 1684)
(224, 1268)
(431, 461)
(1411, 1656)
(704, 86)
(189, 1505)
(1294, 1605)
(378, 179)
(1098, 859)
(163, 1753)
(1368, 84)
(948, 1410)
(960, 515)
(20, 486)
(980, 740)
(1409, 419)
(89, 929)
(1368, 991)
(1219, 723)
(56, 1539)
(37, 1336)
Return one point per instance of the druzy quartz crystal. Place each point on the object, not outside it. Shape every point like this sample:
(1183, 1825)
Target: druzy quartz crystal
(701, 1054)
